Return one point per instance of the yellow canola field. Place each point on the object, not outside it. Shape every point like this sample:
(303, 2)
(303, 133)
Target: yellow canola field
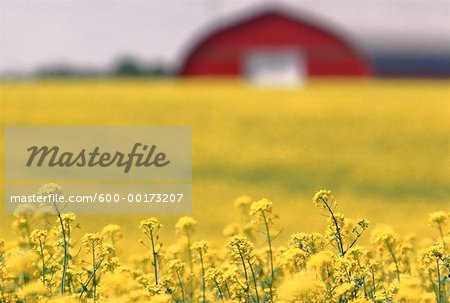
(383, 146)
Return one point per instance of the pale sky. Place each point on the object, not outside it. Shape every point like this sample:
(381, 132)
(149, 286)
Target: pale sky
(93, 33)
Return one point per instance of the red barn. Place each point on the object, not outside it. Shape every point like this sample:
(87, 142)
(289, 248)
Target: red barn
(274, 39)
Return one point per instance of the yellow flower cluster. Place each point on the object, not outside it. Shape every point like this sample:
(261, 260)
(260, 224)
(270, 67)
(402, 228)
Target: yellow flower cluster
(48, 265)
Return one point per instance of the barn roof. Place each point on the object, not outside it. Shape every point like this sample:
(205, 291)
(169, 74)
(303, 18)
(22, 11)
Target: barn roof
(282, 10)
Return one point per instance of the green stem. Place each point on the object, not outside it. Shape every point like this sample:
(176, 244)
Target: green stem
(269, 241)
(191, 270)
(65, 251)
(180, 282)
(84, 285)
(374, 290)
(245, 270)
(94, 270)
(338, 230)
(155, 257)
(41, 248)
(254, 280)
(220, 290)
(391, 252)
(439, 282)
(228, 290)
(203, 278)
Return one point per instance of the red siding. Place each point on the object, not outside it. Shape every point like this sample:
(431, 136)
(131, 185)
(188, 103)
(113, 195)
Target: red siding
(221, 53)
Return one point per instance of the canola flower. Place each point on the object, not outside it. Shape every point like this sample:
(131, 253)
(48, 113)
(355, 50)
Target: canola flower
(329, 267)
(262, 211)
(150, 228)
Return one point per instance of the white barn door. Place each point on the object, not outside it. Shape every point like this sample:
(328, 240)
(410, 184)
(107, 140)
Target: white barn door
(275, 67)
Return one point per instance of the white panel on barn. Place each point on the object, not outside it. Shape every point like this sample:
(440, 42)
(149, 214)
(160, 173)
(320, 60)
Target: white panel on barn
(275, 67)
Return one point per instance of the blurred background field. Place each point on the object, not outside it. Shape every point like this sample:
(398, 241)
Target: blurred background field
(382, 146)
